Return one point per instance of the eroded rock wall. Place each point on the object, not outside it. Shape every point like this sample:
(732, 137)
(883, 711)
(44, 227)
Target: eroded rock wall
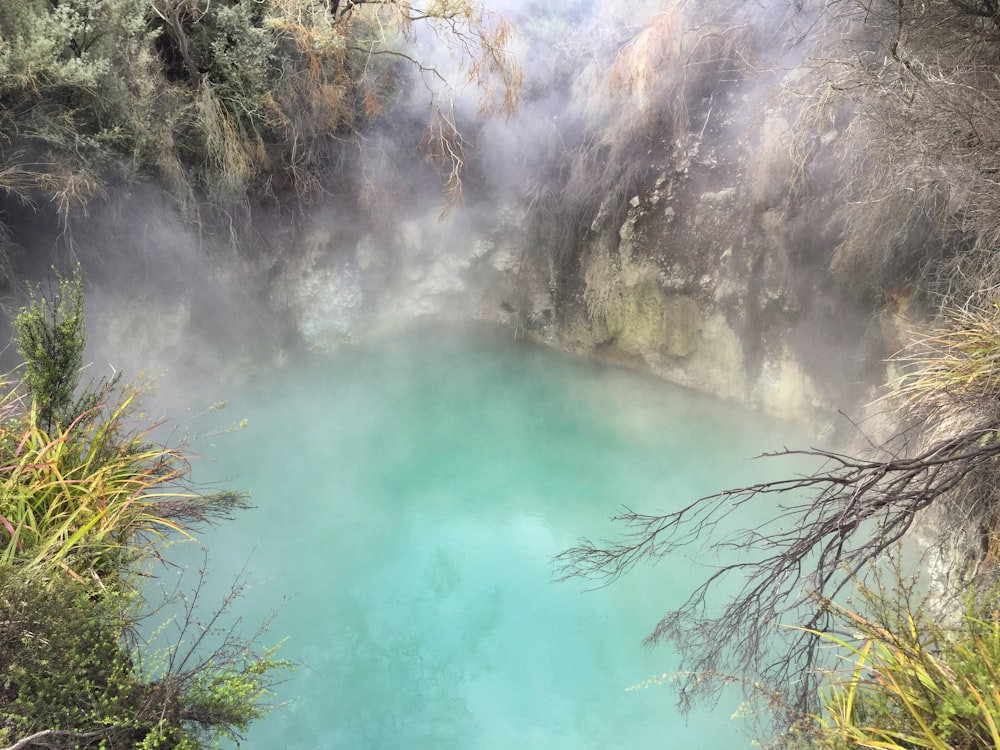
(718, 278)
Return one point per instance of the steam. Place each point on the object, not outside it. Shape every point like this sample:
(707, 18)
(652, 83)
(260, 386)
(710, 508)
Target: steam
(615, 96)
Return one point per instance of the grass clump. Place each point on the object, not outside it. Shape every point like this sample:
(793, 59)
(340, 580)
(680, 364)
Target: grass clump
(912, 682)
(88, 493)
(920, 677)
(953, 364)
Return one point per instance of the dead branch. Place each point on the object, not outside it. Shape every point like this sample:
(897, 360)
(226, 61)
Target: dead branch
(828, 527)
(46, 738)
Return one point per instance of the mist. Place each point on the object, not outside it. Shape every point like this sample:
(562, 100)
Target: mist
(455, 335)
(440, 470)
(649, 102)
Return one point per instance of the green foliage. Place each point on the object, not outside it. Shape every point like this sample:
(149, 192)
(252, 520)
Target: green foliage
(231, 695)
(239, 53)
(64, 667)
(71, 669)
(216, 99)
(912, 683)
(51, 337)
(49, 47)
(85, 496)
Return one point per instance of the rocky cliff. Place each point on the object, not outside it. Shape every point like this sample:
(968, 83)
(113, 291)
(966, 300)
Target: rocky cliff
(682, 225)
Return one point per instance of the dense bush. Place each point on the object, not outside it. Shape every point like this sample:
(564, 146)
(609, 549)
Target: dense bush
(224, 103)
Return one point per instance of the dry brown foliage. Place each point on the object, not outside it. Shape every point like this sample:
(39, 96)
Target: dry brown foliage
(479, 41)
(646, 88)
(911, 93)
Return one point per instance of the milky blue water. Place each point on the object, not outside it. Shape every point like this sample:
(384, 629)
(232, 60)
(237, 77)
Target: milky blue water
(410, 495)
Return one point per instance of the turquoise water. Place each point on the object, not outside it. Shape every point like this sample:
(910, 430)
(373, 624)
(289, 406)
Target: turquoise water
(410, 496)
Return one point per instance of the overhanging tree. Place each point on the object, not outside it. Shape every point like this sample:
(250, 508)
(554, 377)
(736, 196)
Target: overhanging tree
(229, 103)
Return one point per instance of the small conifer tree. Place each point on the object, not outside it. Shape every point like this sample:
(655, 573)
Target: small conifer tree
(51, 337)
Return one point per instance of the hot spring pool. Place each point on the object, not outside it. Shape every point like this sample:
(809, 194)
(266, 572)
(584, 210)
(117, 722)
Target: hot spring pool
(410, 495)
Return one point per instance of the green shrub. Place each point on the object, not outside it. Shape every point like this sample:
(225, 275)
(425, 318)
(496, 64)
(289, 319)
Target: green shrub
(223, 102)
(51, 337)
(64, 667)
(73, 671)
(911, 682)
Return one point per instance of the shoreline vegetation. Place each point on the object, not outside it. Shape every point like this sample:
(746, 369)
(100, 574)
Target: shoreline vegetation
(233, 107)
(837, 641)
(89, 502)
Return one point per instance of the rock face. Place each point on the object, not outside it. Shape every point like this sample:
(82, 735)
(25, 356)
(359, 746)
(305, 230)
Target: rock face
(418, 269)
(716, 279)
(705, 261)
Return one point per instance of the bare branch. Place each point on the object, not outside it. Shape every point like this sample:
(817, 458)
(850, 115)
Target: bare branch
(985, 12)
(828, 527)
(42, 738)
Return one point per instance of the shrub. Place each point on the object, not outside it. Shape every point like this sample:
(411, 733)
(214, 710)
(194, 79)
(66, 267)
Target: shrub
(64, 668)
(74, 674)
(224, 100)
(85, 496)
(51, 338)
(912, 683)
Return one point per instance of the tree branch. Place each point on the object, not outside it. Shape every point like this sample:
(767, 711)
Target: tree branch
(972, 10)
(841, 518)
(169, 12)
(39, 738)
